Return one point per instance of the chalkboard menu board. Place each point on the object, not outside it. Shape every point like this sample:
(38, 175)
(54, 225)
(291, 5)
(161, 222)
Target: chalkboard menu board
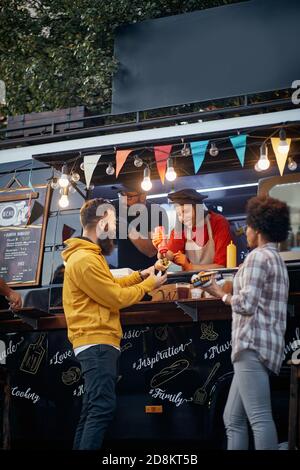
(23, 219)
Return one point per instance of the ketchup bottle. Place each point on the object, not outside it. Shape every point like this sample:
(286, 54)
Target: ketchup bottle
(163, 246)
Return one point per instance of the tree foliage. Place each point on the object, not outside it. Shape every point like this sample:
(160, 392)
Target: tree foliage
(59, 53)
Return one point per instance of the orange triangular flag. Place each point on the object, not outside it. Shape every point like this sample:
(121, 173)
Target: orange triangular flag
(121, 157)
(162, 154)
(280, 157)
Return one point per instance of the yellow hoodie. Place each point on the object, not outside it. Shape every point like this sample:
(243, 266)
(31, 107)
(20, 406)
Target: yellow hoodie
(92, 297)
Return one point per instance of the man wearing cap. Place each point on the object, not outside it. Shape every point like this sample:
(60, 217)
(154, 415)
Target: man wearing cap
(202, 241)
(136, 251)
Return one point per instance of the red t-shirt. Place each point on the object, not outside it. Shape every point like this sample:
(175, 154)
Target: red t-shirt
(221, 235)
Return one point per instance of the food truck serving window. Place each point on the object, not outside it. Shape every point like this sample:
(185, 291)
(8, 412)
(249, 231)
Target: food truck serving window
(287, 188)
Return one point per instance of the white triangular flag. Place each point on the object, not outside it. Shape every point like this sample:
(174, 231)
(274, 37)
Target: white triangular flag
(90, 163)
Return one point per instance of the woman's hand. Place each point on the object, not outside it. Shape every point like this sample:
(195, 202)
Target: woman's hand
(157, 239)
(214, 289)
(181, 260)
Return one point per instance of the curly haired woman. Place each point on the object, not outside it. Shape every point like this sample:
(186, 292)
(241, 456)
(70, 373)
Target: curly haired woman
(259, 305)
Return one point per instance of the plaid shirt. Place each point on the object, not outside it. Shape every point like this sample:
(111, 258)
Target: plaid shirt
(259, 306)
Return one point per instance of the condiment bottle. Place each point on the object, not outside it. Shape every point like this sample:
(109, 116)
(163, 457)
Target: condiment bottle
(163, 246)
(231, 255)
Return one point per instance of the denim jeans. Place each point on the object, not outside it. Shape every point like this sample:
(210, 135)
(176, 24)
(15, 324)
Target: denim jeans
(99, 370)
(249, 398)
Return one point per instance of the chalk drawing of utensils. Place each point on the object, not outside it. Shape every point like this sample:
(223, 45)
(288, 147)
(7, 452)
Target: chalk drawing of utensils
(201, 394)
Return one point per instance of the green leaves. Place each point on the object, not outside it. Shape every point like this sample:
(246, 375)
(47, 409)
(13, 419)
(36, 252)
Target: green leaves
(57, 54)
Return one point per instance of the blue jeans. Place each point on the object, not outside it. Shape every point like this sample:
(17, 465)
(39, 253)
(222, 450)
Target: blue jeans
(99, 370)
(249, 398)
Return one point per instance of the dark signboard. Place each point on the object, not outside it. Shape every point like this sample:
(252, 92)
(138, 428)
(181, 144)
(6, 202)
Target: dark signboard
(232, 50)
(172, 384)
(23, 219)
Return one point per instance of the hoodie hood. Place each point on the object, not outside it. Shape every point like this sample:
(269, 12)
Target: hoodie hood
(75, 244)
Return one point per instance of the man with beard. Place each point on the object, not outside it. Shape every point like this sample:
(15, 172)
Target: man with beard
(92, 298)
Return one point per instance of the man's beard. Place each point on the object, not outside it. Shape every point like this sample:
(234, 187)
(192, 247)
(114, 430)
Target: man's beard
(107, 245)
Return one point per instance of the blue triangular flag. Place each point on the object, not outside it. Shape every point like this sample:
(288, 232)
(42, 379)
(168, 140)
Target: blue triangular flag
(239, 144)
(198, 153)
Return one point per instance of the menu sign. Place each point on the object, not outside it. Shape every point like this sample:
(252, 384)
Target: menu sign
(23, 219)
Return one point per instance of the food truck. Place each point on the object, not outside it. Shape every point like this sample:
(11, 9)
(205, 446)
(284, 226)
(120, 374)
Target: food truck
(175, 368)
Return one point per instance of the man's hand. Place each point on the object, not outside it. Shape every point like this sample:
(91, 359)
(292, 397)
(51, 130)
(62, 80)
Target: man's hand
(181, 260)
(15, 300)
(147, 272)
(160, 280)
(160, 266)
(214, 289)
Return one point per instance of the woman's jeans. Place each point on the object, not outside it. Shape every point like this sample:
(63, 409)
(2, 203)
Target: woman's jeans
(99, 371)
(249, 397)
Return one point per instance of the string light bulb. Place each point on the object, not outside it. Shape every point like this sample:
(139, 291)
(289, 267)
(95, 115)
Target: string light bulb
(171, 174)
(263, 162)
(213, 151)
(54, 183)
(292, 165)
(256, 167)
(110, 170)
(81, 166)
(283, 146)
(138, 162)
(64, 200)
(75, 177)
(185, 151)
(146, 184)
(64, 177)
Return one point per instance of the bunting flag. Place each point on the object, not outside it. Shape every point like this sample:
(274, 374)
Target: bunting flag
(67, 232)
(280, 157)
(239, 144)
(198, 153)
(90, 162)
(121, 157)
(162, 154)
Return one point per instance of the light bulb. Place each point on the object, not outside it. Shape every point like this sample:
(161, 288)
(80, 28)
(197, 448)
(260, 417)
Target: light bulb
(171, 174)
(146, 183)
(138, 162)
(75, 177)
(63, 201)
(256, 167)
(54, 183)
(82, 166)
(64, 177)
(263, 162)
(185, 151)
(213, 151)
(292, 165)
(110, 170)
(283, 146)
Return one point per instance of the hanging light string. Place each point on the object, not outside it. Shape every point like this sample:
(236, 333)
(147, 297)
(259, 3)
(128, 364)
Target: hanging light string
(175, 153)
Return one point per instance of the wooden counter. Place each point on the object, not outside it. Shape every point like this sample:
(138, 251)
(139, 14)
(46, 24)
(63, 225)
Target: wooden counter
(152, 312)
